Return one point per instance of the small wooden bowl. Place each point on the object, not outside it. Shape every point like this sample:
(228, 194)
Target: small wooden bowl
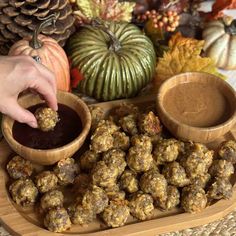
(50, 156)
(187, 132)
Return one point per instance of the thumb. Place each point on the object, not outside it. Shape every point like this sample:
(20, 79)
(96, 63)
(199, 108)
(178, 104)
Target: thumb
(16, 112)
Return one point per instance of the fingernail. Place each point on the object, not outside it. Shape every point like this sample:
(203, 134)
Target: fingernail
(56, 107)
(33, 124)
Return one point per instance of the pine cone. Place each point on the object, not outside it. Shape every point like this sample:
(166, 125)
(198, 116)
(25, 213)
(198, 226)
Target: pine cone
(19, 18)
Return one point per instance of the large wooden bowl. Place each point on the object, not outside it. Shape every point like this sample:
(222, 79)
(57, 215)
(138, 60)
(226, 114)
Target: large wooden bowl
(50, 156)
(187, 132)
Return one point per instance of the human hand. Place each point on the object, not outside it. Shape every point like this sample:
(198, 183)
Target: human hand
(17, 74)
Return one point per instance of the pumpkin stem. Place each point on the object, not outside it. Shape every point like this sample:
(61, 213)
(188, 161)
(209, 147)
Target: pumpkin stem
(231, 28)
(114, 42)
(35, 43)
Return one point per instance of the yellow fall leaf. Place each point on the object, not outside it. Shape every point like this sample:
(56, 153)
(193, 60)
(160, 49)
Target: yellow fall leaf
(88, 8)
(184, 56)
(192, 46)
(105, 9)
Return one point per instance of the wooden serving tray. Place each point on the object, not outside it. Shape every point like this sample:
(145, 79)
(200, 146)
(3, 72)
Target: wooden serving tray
(24, 221)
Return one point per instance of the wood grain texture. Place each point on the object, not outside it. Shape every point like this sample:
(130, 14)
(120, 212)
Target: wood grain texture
(51, 156)
(21, 221)
(197, 134)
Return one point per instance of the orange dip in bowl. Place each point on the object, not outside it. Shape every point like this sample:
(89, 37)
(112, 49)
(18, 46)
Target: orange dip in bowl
(197, 104)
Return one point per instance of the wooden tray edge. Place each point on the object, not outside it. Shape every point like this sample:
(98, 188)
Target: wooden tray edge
(18, 225)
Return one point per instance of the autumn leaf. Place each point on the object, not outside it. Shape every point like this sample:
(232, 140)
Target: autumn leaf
(88, 8)
(184, 56)
(105, 10)
(218, 7)
(232, 6)
(194, 46)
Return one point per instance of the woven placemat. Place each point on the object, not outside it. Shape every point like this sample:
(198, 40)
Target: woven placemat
(224, 227)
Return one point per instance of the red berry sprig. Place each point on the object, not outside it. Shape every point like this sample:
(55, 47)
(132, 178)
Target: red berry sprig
(167, 21)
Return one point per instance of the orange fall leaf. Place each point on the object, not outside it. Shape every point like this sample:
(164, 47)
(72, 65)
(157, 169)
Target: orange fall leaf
(218, 7)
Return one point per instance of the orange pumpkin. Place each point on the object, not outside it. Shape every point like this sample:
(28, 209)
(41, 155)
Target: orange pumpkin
(48, 52)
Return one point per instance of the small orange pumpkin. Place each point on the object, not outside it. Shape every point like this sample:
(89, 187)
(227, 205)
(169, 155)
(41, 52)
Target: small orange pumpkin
(47, 51)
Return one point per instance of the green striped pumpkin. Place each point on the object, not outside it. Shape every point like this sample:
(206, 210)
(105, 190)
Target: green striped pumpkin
(114, 64)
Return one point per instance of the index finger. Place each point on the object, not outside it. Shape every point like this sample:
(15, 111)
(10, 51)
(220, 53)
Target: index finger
(43, 87)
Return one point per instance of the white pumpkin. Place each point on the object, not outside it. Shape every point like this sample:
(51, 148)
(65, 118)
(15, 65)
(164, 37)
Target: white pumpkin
(220, 43)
